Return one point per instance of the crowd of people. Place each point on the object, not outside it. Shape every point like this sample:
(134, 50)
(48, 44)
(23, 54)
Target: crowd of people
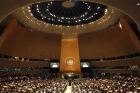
(96, 84)
(110, 84)
(33, 85)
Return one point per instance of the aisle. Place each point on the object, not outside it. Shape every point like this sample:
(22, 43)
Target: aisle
(68, 89)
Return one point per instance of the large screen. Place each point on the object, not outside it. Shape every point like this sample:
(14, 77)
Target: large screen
(85, 64)
(54, 65)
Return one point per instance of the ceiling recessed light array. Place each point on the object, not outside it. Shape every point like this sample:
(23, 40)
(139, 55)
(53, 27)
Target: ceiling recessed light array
(79, 13)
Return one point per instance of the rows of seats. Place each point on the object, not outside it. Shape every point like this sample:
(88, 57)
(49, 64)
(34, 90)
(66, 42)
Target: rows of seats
(109, 84)
(33, 85)
(97, 84)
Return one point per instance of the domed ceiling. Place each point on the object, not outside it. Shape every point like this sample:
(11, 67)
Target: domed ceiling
(67, 17)
(68, 13)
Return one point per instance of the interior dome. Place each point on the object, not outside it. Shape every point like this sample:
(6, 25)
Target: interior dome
(67, 12)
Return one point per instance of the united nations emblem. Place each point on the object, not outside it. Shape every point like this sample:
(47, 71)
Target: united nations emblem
(69, 61)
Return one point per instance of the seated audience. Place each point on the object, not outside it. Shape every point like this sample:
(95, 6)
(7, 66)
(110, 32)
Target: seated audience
(110, 84)
(33, 85)
(97, 84)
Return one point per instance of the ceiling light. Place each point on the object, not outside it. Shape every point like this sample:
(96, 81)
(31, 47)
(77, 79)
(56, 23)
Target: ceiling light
(29, 11)
(31, 14)
(120, 25)
(62, 17)
(79, 20)
(29, 7)
(106, 11)
(138, 4)
(98, 7)
(50, 12)
(37, 5)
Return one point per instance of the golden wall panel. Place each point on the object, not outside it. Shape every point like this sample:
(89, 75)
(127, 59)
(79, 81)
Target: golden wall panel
(21, 42)
(69, 61)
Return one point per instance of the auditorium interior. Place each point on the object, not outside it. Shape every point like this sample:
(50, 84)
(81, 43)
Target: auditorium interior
(70, 46)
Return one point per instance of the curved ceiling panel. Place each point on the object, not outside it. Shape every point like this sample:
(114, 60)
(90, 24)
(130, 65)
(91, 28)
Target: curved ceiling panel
(119, 4)
(108, 17)
(68, 13)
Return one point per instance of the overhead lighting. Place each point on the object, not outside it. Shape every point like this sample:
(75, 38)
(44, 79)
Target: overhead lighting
(29, 11)
(106, 11)
(79, 20)
(120, 25)
(138, 4)
(31, 14)
(37, 5)
(98, 7)
(29, 7)
(47, 14)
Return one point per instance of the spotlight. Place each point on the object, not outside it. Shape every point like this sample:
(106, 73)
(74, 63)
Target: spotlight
(138, 4)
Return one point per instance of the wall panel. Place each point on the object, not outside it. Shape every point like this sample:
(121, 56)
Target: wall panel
(113, 41)
(69, 61)
(17, 41)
